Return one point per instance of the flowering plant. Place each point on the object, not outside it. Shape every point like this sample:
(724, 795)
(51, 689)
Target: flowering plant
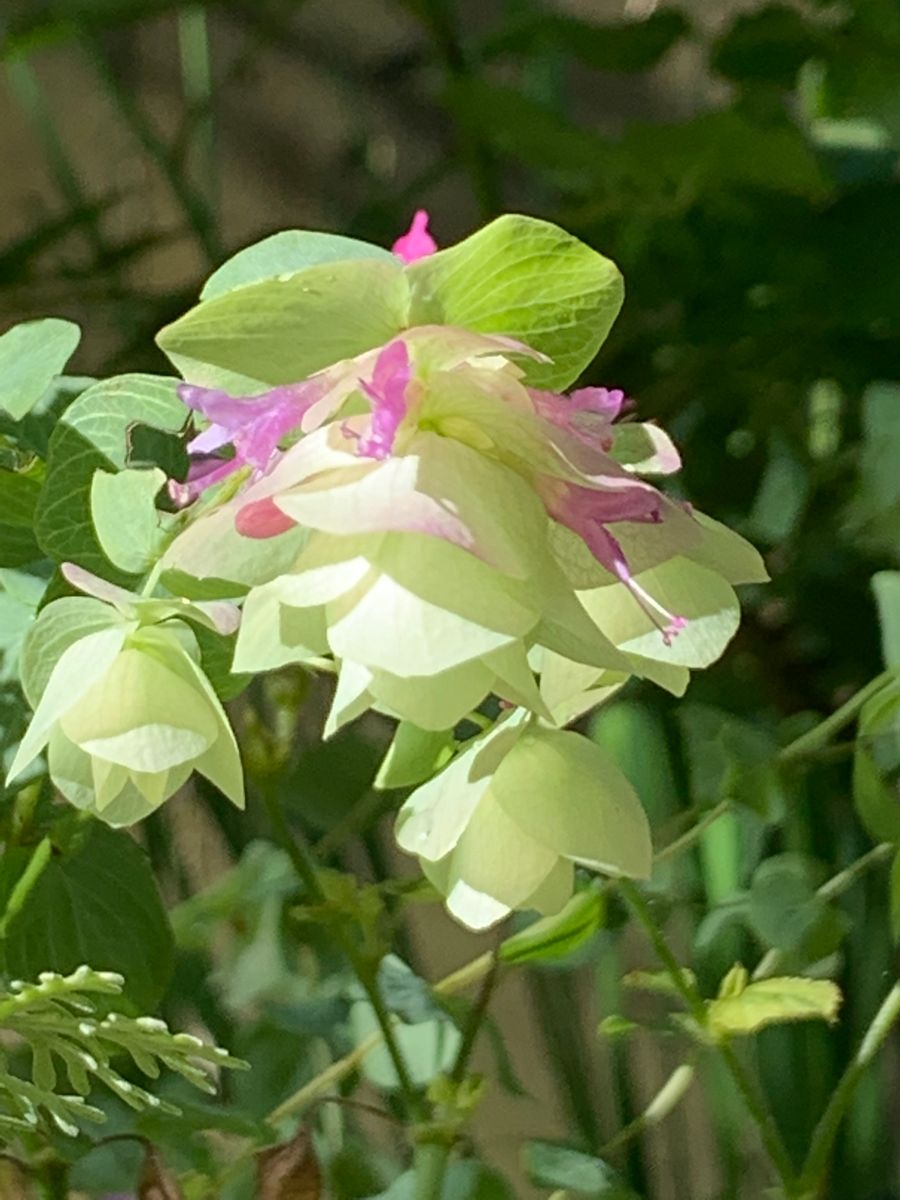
(376, 470)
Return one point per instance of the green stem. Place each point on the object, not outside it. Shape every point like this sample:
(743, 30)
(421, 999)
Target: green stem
(195, 209)
(808, 743)
(683, 983)
(663, 1103)
(25, 883)
(430, 1165)
(474, 1023)
(692, 835)
(815, 1168)
(197, 81)
(307, 873)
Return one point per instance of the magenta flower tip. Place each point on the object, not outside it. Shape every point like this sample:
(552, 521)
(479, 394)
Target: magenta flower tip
(417, 242)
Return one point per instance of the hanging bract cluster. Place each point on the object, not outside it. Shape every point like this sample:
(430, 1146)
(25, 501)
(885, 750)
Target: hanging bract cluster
(385, 477)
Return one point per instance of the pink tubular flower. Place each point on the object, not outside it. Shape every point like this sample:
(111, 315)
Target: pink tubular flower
(587, 413)
(417, 242)
(588, 512)
(252, 425)
(387, 394)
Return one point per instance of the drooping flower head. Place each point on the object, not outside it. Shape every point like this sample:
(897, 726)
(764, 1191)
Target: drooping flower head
(463, 528)
(125, 712)
(503, 826)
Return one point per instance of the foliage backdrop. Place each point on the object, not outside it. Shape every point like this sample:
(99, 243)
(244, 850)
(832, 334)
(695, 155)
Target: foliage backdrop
(757, 236)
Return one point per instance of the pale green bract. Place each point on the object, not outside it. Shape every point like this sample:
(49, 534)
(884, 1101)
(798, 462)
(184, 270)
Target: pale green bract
(504, 825)
(122, 706)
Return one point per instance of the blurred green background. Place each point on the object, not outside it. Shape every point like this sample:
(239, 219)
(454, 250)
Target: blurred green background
(741, 163)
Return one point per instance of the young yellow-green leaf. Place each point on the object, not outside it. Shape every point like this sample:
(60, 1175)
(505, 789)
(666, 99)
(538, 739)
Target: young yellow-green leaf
(658, 981)
(734, 982)
(555, 937)
(284, 253)
(773, 1002)
(527, 279)
(31, 355)
(125, 517)
(280, 330)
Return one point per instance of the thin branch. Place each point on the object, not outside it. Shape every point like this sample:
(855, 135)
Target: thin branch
(809, 743)
(307, 873)
(474, 1023)
(816, 1166)
(686, 988)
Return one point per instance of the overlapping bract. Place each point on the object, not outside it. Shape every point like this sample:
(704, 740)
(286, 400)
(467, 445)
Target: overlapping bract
(123, 708)
(433, 524)
(503, 826)
(465, 528)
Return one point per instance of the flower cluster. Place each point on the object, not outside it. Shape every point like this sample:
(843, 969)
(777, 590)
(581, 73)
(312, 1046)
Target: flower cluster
(443, 529)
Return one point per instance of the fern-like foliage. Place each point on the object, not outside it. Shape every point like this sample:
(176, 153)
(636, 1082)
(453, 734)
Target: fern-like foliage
(72, 1045)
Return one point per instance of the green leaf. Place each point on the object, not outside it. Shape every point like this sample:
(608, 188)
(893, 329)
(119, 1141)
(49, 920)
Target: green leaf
(96, 901)
(768, 45)
(405, 993)
(730, 759)
(18, 499)
(527, 279)
(281, 330)
(886, 586)
(20, 595)
(31, 355)
(551, 1165)
(67, 1023)
(783, 908)
(557, 936)
(125, 517)
(659, 982)
(629, 45)
(285, 253)
(413, 756)
(895, 897)
(772, 1002)
(877, 803)
(783, 493)
(94, 434)
(786, 913)
(429, 1047)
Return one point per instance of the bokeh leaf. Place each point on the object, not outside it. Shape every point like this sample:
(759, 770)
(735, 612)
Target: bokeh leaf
(97, 901)
(31, 356)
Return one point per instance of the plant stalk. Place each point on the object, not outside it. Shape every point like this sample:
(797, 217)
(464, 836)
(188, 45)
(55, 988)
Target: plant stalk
(762, 1118)
(815, 1169)
(306, 872)
(808, 743)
